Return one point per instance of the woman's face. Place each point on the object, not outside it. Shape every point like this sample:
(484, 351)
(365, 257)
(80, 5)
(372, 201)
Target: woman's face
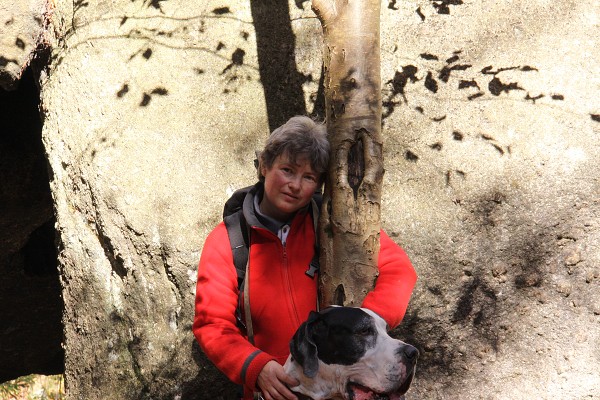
(288, 187)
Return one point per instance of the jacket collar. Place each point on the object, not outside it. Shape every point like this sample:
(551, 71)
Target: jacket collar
(253, 215)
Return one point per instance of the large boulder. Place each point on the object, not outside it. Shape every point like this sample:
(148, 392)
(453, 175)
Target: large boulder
(492, 187)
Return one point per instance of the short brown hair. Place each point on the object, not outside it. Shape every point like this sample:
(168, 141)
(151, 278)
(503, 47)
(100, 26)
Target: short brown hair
(300, 136)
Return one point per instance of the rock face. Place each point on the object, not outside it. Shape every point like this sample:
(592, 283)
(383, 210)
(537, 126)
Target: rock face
(23, 27)
(152, 112)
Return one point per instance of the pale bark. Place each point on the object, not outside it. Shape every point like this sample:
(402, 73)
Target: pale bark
(350, 217)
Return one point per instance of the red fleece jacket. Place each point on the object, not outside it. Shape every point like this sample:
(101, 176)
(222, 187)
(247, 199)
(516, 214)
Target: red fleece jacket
(281, 296)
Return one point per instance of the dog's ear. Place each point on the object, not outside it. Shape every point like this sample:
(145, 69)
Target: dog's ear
(303, 348)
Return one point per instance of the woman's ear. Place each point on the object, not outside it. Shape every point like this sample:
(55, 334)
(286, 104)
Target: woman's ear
(262, 169)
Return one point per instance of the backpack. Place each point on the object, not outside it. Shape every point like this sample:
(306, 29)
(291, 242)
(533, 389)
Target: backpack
(239, 232)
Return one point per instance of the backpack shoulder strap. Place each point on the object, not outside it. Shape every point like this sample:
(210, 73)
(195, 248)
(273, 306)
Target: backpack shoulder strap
(239, 242)
(313, 267)
(237, 229)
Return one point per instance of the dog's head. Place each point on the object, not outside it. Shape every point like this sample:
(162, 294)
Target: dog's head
(345, 352)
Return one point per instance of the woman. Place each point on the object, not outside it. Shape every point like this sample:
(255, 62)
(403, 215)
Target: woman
(278, 212)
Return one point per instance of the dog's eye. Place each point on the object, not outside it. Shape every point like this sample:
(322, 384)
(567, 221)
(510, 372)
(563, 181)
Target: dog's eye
(365, 331)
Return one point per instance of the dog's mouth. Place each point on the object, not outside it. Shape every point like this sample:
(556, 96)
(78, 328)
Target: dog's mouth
(359, 392)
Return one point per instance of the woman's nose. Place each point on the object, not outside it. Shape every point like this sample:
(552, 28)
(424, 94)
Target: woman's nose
(295, 182)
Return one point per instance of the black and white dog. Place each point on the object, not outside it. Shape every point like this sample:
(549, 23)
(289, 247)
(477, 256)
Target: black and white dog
(346, 353)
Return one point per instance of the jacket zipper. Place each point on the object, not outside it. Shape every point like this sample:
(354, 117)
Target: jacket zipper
(287, 280)
(288, 284)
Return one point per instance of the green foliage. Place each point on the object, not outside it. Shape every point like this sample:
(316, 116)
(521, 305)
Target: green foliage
(33, 387)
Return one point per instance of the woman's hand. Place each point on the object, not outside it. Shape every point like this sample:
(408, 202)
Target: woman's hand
(274, 382)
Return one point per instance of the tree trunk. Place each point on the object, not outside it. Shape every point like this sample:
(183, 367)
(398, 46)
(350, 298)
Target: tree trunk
(350, 217)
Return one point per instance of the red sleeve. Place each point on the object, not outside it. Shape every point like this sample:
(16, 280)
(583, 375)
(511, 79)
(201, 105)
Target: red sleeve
(214, 322)
(394, 284)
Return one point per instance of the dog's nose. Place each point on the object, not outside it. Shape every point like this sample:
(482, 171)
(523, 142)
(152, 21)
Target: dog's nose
(410, 352)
